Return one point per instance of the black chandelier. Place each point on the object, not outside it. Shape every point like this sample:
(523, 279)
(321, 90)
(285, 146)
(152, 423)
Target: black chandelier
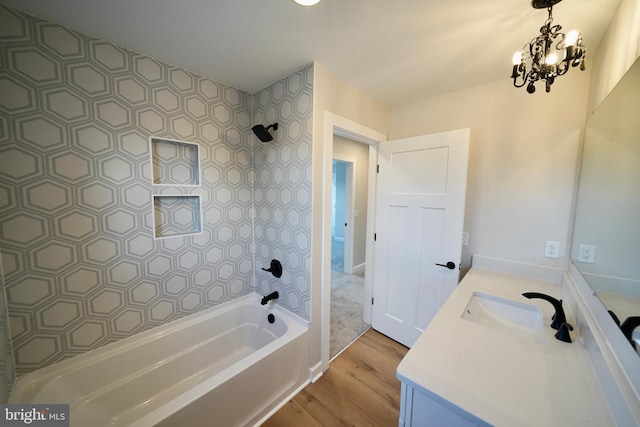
(548, 55)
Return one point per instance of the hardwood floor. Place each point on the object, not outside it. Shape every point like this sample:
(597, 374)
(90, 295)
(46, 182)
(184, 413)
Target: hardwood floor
(359, 389)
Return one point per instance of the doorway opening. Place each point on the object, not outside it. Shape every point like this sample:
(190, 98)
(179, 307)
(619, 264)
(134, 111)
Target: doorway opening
(348, 242)
(337, 125)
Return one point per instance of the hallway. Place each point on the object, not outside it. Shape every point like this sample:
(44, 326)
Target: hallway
(347, 295)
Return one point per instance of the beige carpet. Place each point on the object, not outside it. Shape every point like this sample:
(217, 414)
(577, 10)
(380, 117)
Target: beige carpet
(347, 293)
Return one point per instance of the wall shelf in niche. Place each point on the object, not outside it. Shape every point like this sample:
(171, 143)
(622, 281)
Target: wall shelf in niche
(176, 215)
(175, 162)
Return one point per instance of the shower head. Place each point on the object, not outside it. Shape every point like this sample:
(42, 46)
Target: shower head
(263, 132)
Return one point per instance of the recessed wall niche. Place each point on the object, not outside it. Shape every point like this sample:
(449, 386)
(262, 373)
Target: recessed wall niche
(175, 164)
(176, 215)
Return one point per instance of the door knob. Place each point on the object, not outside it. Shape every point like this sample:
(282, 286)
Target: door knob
(450, 265)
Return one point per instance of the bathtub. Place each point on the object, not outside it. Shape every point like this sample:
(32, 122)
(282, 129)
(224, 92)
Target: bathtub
(224, 366)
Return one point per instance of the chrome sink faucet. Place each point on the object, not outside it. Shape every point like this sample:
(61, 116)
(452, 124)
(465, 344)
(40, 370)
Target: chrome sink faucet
(559, 320)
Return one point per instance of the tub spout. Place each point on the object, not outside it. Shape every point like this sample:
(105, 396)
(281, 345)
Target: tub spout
(267, 298)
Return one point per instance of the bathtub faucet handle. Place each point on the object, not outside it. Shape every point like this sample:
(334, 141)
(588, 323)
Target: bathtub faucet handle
(273, 295)
(275, 268)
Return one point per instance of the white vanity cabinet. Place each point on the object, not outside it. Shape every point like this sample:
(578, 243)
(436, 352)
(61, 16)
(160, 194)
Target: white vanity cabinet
(417, 408)
(463, 372)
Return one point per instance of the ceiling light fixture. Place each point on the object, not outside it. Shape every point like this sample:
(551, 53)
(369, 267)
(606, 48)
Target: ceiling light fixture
(307, 2)
(548, 55)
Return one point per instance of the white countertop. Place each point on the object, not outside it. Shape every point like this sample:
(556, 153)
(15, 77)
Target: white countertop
(498, 377)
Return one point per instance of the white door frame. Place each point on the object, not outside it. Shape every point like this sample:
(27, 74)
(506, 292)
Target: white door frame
(349, 216)
(338, 125)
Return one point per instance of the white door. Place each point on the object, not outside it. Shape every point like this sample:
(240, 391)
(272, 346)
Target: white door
(420, 196)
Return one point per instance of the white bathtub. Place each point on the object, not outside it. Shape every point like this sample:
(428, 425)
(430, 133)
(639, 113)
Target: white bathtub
(225, 366)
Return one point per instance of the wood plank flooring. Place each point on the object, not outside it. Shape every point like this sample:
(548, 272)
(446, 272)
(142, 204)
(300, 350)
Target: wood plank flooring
(359, 389)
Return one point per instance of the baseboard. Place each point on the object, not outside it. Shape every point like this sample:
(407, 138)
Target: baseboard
(359, 268)
(315, 372)
(518, 268)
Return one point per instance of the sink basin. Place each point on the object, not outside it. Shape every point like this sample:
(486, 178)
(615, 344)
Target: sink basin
(519, 319)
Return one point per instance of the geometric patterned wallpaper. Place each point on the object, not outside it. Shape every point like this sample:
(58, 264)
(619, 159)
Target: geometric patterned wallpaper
(282, 189)
(7, 370)
(81, 267)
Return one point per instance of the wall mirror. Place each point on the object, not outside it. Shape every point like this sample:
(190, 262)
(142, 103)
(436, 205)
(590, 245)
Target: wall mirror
(606, 236)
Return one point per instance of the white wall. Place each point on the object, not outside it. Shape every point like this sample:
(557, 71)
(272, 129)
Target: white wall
(522, 162)
(335, 96)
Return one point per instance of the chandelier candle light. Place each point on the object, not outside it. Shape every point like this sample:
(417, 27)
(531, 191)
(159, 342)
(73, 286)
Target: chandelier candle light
(548, 55)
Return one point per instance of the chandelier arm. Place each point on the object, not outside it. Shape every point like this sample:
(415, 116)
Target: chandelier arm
(515, 83)
(556, 34)
(520, 71)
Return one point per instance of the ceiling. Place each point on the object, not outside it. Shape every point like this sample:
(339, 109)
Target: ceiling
(396, 51)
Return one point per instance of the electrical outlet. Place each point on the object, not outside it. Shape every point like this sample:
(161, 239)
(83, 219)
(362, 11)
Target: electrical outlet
(465, 238)
(552, 249)
(587, 254)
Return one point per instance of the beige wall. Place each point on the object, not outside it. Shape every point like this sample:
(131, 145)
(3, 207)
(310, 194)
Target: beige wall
(359, 152)
(339, 97)
(522, 162)
(618, 50)
(335, 96)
